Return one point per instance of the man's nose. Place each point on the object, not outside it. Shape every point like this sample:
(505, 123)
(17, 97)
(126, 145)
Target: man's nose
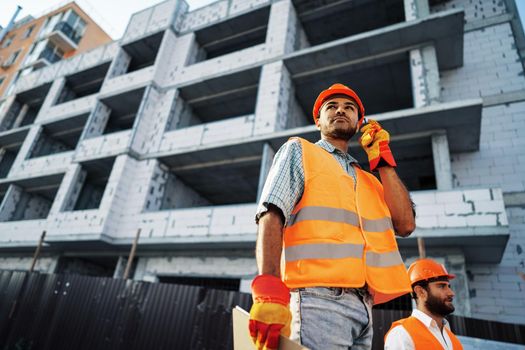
(340, 110)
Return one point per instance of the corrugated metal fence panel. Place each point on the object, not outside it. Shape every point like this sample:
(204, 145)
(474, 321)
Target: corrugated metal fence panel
(78, 312)
(382, 320)
(499, 331)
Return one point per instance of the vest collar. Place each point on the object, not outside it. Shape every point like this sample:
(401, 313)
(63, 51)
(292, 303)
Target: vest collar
(427, 320)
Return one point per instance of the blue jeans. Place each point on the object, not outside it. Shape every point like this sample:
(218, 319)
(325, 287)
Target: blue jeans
(332, 318)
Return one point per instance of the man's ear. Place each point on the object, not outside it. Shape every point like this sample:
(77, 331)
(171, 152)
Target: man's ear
(420, 292)
(317, 123)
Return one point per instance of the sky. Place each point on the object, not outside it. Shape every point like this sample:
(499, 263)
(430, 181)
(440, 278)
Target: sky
(111, 15)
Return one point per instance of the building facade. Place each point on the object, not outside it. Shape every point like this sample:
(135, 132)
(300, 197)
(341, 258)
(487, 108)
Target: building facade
(35, 43)
(172, 130)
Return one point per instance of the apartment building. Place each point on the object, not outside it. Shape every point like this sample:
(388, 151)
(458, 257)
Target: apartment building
(34, 43)
(173, 128)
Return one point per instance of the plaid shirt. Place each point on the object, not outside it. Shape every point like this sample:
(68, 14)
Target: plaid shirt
(284, 185)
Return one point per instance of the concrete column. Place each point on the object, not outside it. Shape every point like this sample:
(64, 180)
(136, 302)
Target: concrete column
(442, 167)
(143, 120)
(69, 190)
(424, 71)
(9, 204)
(266, 163)
(119, 65)
(51, 98)
(96, 122)
(423, 61)
(273, 96)
(283, 31)
(164, 59)
(21, 116)
(455, 264)
(9, 112)
(416, 9)
(26, 148)
(121, 266)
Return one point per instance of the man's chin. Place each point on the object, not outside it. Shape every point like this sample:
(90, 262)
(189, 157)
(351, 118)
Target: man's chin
(342, 134)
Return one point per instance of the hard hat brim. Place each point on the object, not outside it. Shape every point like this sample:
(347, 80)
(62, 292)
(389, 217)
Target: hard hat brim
(325, 95)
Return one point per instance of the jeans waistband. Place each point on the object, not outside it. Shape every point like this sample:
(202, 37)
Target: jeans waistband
(363, 291)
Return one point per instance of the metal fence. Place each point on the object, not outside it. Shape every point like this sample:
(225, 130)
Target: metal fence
(40, 311)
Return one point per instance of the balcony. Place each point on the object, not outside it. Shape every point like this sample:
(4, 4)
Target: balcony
(65, 37)
(47, 57)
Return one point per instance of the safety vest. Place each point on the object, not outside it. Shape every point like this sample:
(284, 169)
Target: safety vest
(423, 339)
(340, 233)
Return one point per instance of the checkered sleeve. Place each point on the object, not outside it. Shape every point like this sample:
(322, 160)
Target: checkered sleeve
(284, 185)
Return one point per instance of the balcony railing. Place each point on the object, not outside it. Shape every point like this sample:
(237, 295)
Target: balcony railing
(71, 33)
(49, 55)
(65, 37)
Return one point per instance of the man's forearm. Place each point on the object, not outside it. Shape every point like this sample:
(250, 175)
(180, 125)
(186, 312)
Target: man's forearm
(398, 201)
(269, 243)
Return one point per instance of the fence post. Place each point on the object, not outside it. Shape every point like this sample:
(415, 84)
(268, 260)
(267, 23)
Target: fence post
(37, 251)
(131, 255)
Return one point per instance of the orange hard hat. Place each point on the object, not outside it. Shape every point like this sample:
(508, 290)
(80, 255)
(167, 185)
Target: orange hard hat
(424, 269)
(337, 89)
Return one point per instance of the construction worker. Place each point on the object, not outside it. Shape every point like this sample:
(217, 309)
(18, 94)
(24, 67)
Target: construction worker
(326, 248)
(427, 328)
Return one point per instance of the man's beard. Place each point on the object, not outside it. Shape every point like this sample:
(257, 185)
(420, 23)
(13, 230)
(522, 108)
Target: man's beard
(437, 306)
(340, 133)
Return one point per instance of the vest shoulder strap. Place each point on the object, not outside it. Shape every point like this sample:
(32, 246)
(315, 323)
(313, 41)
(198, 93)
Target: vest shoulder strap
(394, 325)
(421, 336)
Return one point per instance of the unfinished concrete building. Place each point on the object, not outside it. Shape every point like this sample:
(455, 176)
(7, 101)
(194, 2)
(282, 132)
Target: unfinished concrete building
(173, 128)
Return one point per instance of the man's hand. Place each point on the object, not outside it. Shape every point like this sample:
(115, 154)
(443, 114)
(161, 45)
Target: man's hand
(375, 142)
(270, 314)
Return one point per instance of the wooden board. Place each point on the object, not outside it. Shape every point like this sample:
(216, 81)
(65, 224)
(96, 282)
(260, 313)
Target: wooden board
(241, 335)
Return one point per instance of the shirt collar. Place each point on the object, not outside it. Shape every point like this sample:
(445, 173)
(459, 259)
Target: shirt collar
(331, 149)
(426, 319)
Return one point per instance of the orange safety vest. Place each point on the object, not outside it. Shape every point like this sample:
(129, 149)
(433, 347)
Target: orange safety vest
(423, 339)
(340, 234)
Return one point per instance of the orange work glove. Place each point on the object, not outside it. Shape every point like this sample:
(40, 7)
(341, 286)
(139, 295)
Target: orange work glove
(375, 141)
(270, 315)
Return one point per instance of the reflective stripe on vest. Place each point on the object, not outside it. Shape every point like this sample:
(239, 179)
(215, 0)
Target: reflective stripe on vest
(340, 234)
(323, 251)
(340, 215)
(340, 251)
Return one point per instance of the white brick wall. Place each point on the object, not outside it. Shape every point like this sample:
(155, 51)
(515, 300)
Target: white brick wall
(68, 109)
(200, 266)
(459, 208)
(19, 232)
(475, 10)
(490, 66)
(44, 264)
(498, 162)
(51, 164)
(129, 81)
(205, 15)
(103, 146)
